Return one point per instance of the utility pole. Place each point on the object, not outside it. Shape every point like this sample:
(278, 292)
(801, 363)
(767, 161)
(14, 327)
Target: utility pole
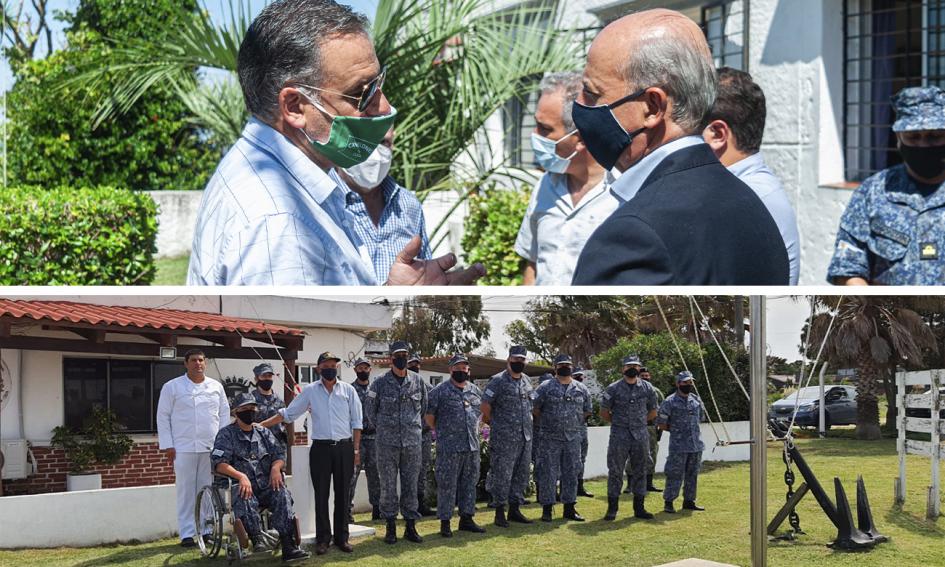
(739, 322)
(759, 432)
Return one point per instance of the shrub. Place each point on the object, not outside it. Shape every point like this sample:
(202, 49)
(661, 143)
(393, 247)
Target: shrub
(68, 236)
(489, 236)
(99, 441)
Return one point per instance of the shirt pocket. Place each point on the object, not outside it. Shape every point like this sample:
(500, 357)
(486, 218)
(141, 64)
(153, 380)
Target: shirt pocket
(388, 405)
(416, 401)
(888, 241)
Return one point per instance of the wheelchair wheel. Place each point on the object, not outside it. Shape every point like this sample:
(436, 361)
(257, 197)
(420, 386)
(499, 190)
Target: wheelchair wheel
(208, 514)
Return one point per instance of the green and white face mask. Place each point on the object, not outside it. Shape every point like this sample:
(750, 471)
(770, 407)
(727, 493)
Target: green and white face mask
(352, 138)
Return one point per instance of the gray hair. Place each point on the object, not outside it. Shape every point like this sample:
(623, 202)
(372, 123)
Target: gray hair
(282, 46)
(686, 75)
(570, 83)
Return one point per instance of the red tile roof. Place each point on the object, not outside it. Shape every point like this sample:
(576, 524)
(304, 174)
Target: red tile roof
(135, 317)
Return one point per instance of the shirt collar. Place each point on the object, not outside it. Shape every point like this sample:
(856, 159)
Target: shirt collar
(311, 177)
(389, 187)
(628, 184)
(743, 166)
(560, 187)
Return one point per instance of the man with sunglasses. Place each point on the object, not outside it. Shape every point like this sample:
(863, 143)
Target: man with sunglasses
(271, 214)
(685, 219)
(571, 199)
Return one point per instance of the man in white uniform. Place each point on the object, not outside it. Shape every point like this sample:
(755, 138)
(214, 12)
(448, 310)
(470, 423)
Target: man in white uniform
(571, 199)
(191, 411)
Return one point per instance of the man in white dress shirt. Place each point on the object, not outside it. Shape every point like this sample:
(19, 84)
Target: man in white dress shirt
(191, 410)
(571, 199)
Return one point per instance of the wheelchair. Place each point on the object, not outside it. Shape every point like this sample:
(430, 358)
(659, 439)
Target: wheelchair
(218, 528)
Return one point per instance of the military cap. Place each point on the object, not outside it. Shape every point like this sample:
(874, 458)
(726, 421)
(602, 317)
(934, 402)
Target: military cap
(563, 359)
(457, 358)
(264, 368)
(919, 108)
(327, 355)
(632, 359)
(362, 361)
(578, 371)
(242, 399)
(517, 350)
(399, 346)
(413, 356)
(683, 376)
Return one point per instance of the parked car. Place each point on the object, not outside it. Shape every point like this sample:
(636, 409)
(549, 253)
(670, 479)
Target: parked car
(839, 403)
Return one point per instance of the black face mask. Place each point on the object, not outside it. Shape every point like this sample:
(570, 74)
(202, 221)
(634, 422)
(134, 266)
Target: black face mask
(400, 362)
(246, 417)
(926, 162)
(631, 372)
(601, 132)
(264, 385)
(579, 377)
(686, 388)
(363, 376)
(328, 373)
(517, 367)
(413, 368)
(564, 371)
(459, 376)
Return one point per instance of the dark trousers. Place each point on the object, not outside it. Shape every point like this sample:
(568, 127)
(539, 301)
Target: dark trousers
(331, 464)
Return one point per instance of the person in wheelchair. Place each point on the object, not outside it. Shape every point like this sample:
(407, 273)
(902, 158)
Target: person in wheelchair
(251, 455)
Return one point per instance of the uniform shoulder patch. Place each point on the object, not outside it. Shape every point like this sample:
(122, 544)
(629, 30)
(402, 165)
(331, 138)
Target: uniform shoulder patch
(606, 395)
(371, 394)
(489, 392)
(218, 452)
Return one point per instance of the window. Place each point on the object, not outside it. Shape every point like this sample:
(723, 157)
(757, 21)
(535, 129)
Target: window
(129, 388)
(518, 124)
(723, 24)
(888, 45)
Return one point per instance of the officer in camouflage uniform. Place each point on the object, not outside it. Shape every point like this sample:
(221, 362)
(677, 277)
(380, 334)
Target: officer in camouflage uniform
(251, 455)
(578, 375)
(655, 435)
(536, 441)
(368, 461)
(426, 451)
(396, 403)
(267, 402)
(507, 408)
(454, 410)
(563, 406)
(628, 404)
(893, 229)
(680, 414)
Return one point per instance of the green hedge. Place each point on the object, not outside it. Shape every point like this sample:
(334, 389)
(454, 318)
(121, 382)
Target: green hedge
(69, 236)
(490, 232)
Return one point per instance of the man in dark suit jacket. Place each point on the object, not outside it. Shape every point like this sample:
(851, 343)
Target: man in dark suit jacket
(686, 219)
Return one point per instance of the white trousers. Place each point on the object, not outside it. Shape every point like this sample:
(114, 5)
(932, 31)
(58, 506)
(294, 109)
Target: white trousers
(191, 473)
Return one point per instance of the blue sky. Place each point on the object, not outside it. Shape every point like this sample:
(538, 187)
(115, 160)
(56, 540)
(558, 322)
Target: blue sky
(217, 9)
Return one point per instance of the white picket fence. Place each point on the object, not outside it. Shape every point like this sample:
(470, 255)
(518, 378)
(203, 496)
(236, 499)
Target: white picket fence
(934, 425)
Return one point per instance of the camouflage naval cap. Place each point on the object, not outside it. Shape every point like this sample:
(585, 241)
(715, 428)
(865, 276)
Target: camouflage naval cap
(919, 108)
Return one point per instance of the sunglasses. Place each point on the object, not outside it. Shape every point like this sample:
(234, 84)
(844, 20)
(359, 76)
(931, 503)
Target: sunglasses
(368, 91)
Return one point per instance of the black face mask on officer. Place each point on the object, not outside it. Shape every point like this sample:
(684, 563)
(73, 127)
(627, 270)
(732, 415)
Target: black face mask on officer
(264, 385)
(400, 362)
(246, 416)
(925, 161)
(328, 373)
(517, 367)
(686, 388)
(563, 371)
(414, 368)
(459, 376)
(363, 376)
(631, 372)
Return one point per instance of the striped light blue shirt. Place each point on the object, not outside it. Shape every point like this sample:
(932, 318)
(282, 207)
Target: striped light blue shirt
(271, 216)
(334, 415)
(401, 220)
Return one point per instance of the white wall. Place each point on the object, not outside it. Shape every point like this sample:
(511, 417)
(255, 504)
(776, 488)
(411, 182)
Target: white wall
(177, 217)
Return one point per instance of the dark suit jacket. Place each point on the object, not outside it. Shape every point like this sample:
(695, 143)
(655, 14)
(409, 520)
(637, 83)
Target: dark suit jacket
(692, 223)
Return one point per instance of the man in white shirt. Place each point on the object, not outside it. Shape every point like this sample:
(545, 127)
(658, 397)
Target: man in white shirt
(571, 199)
(735, 127)
(191, 410)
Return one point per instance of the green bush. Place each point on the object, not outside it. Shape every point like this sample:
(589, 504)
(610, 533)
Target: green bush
(68, 236)
(101, 440)
(489, 236)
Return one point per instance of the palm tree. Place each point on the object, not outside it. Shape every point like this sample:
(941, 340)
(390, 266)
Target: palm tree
(452, 64)
(874, 334)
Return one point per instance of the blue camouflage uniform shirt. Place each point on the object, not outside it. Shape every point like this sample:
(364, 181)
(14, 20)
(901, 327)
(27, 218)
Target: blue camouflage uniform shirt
(250, 452)
(683, 416)
(266, 407)
(367, 429)
(511, 402)
(562, 408)
(891, 234)
(457, 412)
(629, 405)
(396, 409)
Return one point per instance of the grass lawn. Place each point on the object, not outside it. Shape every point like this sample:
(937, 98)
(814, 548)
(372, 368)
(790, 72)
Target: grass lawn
(719, 534)
(171, 271)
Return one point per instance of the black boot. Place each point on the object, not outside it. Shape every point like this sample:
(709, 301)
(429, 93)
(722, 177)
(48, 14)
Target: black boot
(571, 514)
(445, 529)
(422, 507)
(410, 532)
(691, 505)
(649, 484)
(375, 513)
(638, 510)
(391, 535)
(500, 520)
(612, 505)
(515, 515)
(581, 490)
(627, 490)
(668, 507)
(546, 512)
(290, 552)
(467, 524)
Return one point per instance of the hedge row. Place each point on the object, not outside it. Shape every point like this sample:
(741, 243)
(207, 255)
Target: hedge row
(70, 236)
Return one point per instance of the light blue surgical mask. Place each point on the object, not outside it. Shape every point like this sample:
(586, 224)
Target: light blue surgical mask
(547, 156)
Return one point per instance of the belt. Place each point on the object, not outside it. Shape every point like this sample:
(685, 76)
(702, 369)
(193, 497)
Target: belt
(330, 442)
